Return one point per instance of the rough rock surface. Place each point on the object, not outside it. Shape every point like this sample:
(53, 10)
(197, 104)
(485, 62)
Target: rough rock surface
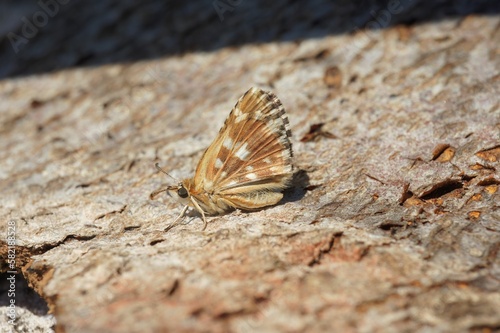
(393, 224)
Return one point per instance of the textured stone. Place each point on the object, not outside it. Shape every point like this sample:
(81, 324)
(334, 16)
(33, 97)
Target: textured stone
(393, 224)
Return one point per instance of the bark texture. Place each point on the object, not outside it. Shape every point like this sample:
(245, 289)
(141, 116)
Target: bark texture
(393, 224)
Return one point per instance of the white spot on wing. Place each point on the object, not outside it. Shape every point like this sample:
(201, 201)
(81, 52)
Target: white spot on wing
(218, 163)
(242, 153)
(241, 117)
(237, 111)
(251, 176)
(267, 160)
(249, 168)
(228, 143)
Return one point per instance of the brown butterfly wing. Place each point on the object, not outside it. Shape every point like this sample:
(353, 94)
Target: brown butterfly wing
(250, 162)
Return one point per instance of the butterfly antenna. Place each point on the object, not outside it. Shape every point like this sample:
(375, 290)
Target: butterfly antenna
(155, 193)
(157, 165)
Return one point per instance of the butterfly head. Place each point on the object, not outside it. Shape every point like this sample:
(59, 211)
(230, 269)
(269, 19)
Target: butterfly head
(179, 192)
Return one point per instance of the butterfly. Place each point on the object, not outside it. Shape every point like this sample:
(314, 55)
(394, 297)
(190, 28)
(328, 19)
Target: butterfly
(247, 166)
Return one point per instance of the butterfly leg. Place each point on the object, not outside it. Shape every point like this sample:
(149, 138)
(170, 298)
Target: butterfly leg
(176, 221)
(198, 208)
(204, 221)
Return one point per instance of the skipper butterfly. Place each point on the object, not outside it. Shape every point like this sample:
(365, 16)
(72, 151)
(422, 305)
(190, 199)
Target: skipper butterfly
(247, 166)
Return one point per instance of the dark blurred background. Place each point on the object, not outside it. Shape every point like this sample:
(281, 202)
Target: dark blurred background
(47, 35)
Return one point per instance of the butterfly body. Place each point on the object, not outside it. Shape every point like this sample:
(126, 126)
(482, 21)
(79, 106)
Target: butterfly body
(249, 163)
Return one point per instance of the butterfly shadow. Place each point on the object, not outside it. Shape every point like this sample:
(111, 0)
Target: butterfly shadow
(300, 185)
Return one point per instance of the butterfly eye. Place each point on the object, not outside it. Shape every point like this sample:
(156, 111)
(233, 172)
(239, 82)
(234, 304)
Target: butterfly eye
(182, 192)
